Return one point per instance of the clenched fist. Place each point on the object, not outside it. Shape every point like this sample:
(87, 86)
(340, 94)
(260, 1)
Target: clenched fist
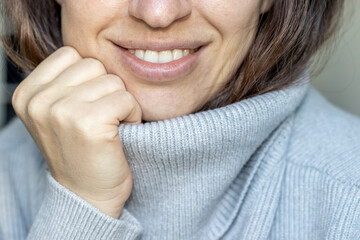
(72, 109)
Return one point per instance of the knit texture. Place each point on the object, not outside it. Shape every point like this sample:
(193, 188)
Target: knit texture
(282, 165)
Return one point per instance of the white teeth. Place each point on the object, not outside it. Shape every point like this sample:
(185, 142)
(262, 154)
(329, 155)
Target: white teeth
(177, 54)
(140, 54)
(162, 56)
(151, 56)
(165, 57)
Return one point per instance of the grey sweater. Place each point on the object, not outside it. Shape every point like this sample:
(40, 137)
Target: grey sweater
(282, 165)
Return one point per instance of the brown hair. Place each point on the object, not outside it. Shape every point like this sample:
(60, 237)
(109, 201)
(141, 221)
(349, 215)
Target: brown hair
(288, 36)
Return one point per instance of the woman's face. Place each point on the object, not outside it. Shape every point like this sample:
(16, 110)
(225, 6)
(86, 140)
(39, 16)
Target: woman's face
(190, 48)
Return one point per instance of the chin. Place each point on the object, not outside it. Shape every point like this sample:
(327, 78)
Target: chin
(159, 112)
(154, 115)
(161, 103)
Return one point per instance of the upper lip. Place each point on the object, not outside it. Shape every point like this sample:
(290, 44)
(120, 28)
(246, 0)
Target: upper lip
(159, 46)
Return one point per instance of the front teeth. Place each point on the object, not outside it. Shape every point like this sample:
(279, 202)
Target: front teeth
(162, 56)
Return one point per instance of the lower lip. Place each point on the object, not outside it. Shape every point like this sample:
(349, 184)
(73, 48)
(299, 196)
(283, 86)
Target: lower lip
(155, 72)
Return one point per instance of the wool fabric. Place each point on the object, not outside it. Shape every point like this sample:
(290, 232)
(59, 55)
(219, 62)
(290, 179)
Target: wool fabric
(282, 165)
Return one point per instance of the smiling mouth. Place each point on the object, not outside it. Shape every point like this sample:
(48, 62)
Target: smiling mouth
(161, 57)
(160, 52)
(158, 61)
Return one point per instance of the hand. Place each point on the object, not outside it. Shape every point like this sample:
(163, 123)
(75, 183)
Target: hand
(72, 109)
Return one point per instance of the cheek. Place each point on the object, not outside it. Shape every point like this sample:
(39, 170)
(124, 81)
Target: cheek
(235, 14)
(236, 24)
(81, 20)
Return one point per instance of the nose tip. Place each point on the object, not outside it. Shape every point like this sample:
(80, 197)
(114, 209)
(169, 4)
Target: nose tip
(159, 13)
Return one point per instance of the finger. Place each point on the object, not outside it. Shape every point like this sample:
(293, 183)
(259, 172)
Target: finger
(97, 88)
(88, 91)
(120, 106)
(43, 74)
(40, 97)
(52, 66)
(80, 72)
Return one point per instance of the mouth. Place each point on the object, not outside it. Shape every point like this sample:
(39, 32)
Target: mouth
(161, 57)
(160, 62)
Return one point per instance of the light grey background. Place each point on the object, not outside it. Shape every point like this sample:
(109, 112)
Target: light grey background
(340, 79)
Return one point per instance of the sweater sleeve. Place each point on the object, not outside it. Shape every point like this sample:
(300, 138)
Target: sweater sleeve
(64, 215)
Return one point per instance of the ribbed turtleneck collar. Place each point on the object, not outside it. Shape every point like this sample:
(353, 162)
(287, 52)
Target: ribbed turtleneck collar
(183, 167)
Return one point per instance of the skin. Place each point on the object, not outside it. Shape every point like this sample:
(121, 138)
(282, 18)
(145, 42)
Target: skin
(73, 102)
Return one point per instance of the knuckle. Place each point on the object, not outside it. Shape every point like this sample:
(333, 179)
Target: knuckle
(69, 52)
(94, 64)
(84, 126)
(34, 107)
(17, 98)
(57, 112)
(128, 96)
(125, 98)
(115, 82)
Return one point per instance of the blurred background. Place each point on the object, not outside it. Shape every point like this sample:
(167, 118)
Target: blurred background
(339, 81)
